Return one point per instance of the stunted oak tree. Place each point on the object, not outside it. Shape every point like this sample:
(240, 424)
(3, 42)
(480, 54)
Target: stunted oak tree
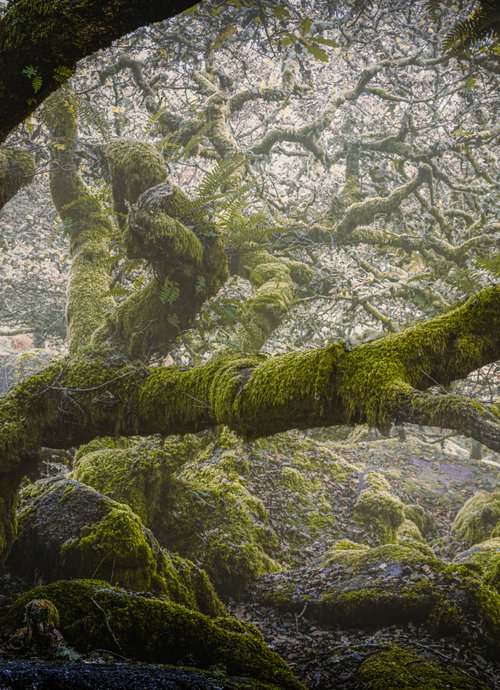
(386, 148)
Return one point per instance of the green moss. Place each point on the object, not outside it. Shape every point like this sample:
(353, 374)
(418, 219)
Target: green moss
(103, 539)
(88, 224)
(348, 545)
(423, 520)
(190, 491)
(96, 616)
(485, 557)
(10, 484)
(137, 472)
(404, 669)
(477, 519)
(273, 279)
(17, 169)
(447, 348)
(134, 166)
(378, 511)
(358, 557)
(39, 635)
(408, 532)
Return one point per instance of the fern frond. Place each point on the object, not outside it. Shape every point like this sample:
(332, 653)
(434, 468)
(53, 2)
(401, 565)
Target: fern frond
(482, 24)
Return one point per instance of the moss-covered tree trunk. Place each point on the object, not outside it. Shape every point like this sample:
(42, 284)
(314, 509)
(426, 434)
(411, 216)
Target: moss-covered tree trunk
(89, 227)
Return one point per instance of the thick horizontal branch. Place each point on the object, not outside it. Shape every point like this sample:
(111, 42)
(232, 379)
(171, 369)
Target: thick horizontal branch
(455, 412)
(93, 394)
(50, 38)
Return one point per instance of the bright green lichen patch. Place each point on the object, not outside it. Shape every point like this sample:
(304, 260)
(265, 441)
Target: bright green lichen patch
(404, 669)
(477, 519)
(95, 615)
(378, 511)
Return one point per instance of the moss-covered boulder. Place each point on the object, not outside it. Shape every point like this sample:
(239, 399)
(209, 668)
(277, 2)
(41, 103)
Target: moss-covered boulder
(477, 519)
(485, 557)
(408, 532)
(358, 587)
(67, 529)
(94, 615)
(138, 471)
(403, 669)
(377, 510)
(421, 518)
(190, 491)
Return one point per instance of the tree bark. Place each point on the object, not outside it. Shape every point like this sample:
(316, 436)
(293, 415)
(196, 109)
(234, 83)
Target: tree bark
(17, 169)
(42, 40)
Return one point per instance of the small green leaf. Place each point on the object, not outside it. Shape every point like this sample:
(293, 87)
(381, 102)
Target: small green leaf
(280, 12)
(305, 26)
(317, 52)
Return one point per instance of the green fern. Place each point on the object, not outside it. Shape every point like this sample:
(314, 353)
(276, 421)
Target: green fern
(87, 113)
(170, 291)
(483, 24)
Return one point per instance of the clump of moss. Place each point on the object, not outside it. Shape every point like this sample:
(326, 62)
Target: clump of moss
(377, 510)
(409, 532)
(134, 167)
(421, 518)
(477, 519)
(404, 669)
(94, 615)
(485, 557)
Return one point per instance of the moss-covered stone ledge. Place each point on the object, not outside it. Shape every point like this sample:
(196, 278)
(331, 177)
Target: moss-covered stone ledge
(355, 586)
(94, 615)
(398, 668)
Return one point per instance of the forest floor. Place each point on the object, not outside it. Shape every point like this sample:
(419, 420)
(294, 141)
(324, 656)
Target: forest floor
(434, 473)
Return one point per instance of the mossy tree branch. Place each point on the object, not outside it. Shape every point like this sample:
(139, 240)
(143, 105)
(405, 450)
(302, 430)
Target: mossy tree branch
(176, 238)
(98, 393)
(89, 227)
(51, 36)
(274, 279)
(17, 169)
